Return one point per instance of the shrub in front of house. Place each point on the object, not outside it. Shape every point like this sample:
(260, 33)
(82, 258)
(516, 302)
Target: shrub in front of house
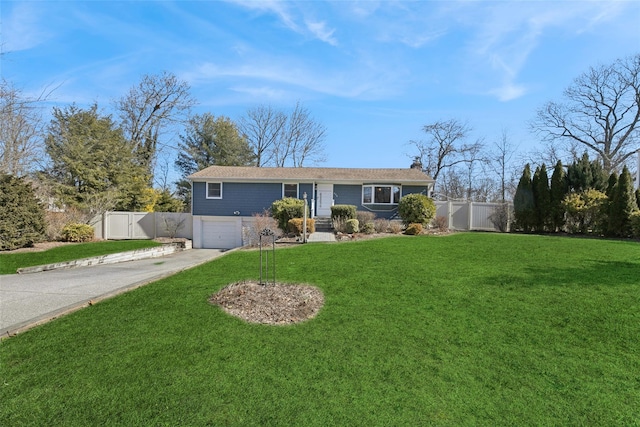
(416, 208)
(381, 225)
(296, 225)
(364, 217)
(285, 209)
(76, 232)
(343, 211)
(352, 226)
(22, 218)
(413, 229)
(368, 228)
(395, 227)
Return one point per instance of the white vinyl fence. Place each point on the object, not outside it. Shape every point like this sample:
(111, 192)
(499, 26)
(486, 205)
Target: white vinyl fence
(470, 215)
(142, 225)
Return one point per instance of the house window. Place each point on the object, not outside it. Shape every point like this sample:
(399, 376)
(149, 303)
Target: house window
(290, 190)
(380, 194)
(214, 190)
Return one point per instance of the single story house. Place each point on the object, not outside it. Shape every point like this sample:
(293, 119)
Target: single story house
(225, 198)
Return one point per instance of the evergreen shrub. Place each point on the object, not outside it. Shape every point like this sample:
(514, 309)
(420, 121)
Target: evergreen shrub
(416, 208)
(585, 211)
(76, 232)
(635, 224)
(368, 228)
(352, 226)
(343, 211)
(285, 209)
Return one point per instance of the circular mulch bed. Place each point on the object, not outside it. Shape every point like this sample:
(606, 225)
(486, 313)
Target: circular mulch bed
(272, 304)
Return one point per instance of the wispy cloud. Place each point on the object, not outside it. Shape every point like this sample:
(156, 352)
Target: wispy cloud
(21, 26)
(271, 78)
(506, 34)
(294, 16)
(320, 30)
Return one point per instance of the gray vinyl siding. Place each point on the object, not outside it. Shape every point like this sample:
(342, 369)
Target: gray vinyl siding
(352, 195)
(236, 197)
(347, 194)
(246, 198)
(250, 198)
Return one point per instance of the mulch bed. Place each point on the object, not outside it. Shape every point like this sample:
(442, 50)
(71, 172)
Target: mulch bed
(272, 304)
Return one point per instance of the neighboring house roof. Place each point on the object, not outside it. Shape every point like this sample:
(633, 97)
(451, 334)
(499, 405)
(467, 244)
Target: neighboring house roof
(250, 173)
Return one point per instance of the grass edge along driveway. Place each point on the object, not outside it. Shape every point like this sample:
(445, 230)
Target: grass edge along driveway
(469, 329)
(10, 262)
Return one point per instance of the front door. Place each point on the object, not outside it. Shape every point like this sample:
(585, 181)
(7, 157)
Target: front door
(324, 198)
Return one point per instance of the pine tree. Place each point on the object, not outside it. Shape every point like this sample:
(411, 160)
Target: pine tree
(91, 162)
(557, 193)
(523, 202)
(210, 141)
(622, 205)
(584, 174)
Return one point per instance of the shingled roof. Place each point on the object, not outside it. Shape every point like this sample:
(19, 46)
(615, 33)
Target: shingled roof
(249, 173)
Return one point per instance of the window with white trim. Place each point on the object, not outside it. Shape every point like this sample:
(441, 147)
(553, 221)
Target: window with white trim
(380, 194)
(290, 190)
(214, 190)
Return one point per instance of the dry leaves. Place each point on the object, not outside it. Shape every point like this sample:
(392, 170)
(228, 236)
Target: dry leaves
(273, 304)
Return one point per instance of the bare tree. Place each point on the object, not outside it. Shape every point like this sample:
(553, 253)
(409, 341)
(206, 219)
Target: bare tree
(473, 155)
(20, 130)
(281, 139)
(444, 147)
(262, 126)
(601, 113)
(302, 139)
(500, 161)
(157, 102)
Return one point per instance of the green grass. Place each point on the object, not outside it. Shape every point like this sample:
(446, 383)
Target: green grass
(469, 329)
(10, 262)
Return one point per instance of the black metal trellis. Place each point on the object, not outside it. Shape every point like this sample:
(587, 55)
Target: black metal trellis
(264, 256)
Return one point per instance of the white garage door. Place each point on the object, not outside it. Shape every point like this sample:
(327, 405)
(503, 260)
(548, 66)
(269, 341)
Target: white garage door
(219, 234)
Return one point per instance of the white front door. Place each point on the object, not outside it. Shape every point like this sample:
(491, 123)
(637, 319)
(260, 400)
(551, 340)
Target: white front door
(324, 196)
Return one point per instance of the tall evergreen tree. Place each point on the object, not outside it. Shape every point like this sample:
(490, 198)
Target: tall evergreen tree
(210, 141)
(583, 174)
(523, 202)
(557, 193)
(21, 215)
(622, 205)
(541, 198)
(92, 166)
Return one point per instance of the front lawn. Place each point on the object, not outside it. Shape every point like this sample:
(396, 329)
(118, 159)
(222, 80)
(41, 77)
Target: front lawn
(10, 262)
(468, 329)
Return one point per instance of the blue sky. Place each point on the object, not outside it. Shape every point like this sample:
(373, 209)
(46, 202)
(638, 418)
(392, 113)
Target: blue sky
(372, 72)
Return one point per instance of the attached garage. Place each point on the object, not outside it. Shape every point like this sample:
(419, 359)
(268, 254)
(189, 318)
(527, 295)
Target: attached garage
(217, 233)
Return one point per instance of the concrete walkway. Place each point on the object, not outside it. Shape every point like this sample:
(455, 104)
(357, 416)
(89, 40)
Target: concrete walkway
(32, 299)
(321, 236)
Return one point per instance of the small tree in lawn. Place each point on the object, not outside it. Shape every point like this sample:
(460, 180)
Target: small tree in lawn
(622, 205)
(416, 208)
(557, 193)
(523, 202)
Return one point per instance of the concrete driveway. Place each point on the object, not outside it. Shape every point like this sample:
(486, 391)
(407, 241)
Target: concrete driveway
(27, 300)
